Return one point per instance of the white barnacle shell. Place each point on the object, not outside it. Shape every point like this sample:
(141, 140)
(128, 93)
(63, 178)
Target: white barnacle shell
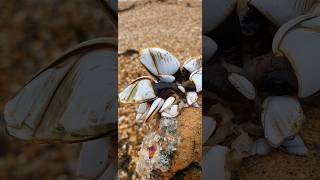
(192, 64)
(60, 104)
(111, 172)
(155, 107)
(167, 104)
(282, 117)
(139, 91)
(170, 112)
(299, 41)
(142, 111)
(192, 98)
(214, 164)
(294, 146)
(95, 158)
(209, 48)
(282, 11)
(243, 85)
(181, 88)
(159, 62)
(215, 12)
(208, 126)
(166, 78)
(142, 108)
(196, 78)
(242, 145)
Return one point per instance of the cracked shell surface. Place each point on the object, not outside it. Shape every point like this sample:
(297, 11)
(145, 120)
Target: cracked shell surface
(57, 105)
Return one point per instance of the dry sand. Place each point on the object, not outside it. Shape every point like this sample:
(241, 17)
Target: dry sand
(171, 25)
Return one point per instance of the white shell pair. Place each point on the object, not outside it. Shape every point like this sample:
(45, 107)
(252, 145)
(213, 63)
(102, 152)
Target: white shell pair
(165, 107)
(139, 91)
(282, 11)
(160, 63)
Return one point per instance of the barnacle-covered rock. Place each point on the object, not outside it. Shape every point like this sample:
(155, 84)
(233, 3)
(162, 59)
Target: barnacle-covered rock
(172, 147)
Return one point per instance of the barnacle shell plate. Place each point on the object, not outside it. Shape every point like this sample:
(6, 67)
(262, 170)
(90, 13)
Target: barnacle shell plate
(282, 11)
(59, 103)
(214, 162)
(159, 61)
(282, 117)
(209, 48)
(215, 12)
(299, 41)
(139, 91)
(196, 78)
(243, 85)
(192, 64)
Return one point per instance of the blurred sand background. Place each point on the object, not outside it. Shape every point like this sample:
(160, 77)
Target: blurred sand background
(32, 34)
(169, 24)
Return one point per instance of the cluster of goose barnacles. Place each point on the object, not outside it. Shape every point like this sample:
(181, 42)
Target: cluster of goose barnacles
(173, 88)
(260, 62)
